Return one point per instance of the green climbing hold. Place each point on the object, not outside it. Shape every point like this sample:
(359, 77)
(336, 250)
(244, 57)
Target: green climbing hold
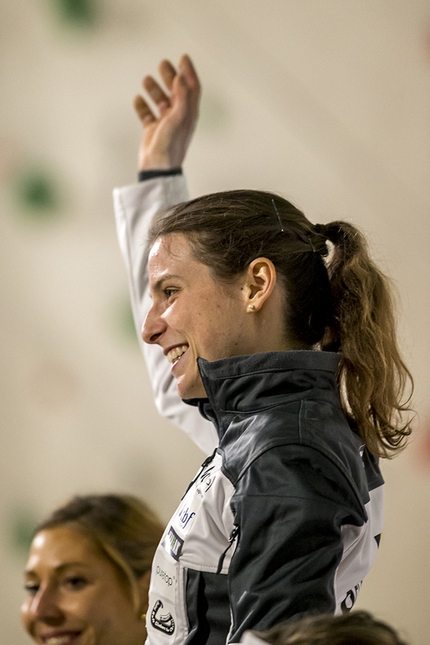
(36, 193)
(77, 12)
(22, 525)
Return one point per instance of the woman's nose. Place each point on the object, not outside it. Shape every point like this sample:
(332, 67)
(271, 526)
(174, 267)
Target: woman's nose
(45, 607)
(153, 326)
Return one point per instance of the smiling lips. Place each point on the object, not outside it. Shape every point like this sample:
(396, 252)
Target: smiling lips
(175, 354)
(60, 638)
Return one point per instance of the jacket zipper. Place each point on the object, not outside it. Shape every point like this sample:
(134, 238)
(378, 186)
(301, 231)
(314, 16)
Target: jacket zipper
(231, 539)
(206, 462)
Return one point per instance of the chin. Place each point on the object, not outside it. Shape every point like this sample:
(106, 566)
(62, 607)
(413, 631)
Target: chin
(191, 390)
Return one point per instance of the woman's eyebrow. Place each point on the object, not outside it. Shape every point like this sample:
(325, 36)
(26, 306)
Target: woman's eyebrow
(59, 568)
(157, 286)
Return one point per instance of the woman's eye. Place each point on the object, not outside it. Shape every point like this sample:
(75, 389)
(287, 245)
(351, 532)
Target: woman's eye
(75, 583)
(31, 588)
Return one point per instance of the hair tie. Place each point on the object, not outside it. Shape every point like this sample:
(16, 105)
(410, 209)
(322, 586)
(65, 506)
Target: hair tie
(312, 245)
(324, 251)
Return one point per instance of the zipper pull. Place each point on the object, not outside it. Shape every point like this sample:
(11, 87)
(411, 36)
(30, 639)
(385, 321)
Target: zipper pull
(231, 539)
(206, 462)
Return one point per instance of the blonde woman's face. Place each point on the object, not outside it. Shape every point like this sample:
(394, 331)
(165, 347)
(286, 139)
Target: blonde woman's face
(74, 594)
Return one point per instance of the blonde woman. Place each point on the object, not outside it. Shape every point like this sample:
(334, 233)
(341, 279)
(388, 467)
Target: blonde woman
(88, 571)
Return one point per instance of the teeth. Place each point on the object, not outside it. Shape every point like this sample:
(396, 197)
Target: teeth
(176, 353)
(59, 640)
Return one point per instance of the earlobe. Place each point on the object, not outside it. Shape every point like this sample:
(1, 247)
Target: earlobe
(261, 280)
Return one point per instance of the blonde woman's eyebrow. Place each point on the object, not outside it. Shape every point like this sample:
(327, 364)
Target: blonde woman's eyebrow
(59, 568)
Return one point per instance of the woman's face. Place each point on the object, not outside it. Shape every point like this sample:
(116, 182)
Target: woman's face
(192, 314)
(75, 595)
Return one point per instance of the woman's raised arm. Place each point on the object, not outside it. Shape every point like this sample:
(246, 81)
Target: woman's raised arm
(163, 146)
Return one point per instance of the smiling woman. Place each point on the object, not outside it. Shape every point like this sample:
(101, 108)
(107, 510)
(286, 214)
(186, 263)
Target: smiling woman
(291, 353)
(193, 314)
(87, 573)
(281, 333)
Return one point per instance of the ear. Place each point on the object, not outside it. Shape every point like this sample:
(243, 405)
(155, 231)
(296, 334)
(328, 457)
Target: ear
(260, 280)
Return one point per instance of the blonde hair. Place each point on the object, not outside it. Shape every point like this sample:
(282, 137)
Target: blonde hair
(123, 527)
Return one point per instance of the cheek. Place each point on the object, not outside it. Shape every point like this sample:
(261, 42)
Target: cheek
(106, 614)
(89, 608)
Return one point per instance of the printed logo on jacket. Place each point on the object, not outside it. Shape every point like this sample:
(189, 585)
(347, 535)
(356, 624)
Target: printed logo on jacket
(167, 619)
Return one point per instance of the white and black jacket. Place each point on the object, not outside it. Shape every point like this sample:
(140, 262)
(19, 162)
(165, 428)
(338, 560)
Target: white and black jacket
(284, 517)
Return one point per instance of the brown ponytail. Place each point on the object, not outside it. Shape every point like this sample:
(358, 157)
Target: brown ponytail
(338, 302)
(372, 374)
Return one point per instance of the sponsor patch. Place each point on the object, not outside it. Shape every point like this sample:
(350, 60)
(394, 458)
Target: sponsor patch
(348, 602)
(163, 622)
(187, 513)
(207, 478)
(168, 580)
(173, 543)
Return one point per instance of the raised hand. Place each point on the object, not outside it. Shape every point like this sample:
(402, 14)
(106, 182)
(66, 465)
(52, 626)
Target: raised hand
(167, 133)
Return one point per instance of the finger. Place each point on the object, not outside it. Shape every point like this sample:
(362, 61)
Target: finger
(167, 73)
(186, 88)
(143, 110)
(154, 90)
(189, 73)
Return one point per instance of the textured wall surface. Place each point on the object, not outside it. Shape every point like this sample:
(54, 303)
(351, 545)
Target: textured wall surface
(325, 102)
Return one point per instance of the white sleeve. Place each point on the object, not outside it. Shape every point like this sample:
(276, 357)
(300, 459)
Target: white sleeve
(135, 207)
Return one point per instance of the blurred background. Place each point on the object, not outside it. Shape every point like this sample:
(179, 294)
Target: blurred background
(326, 102)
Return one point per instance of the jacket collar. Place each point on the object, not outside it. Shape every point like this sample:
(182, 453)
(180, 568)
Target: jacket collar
(248, 384)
